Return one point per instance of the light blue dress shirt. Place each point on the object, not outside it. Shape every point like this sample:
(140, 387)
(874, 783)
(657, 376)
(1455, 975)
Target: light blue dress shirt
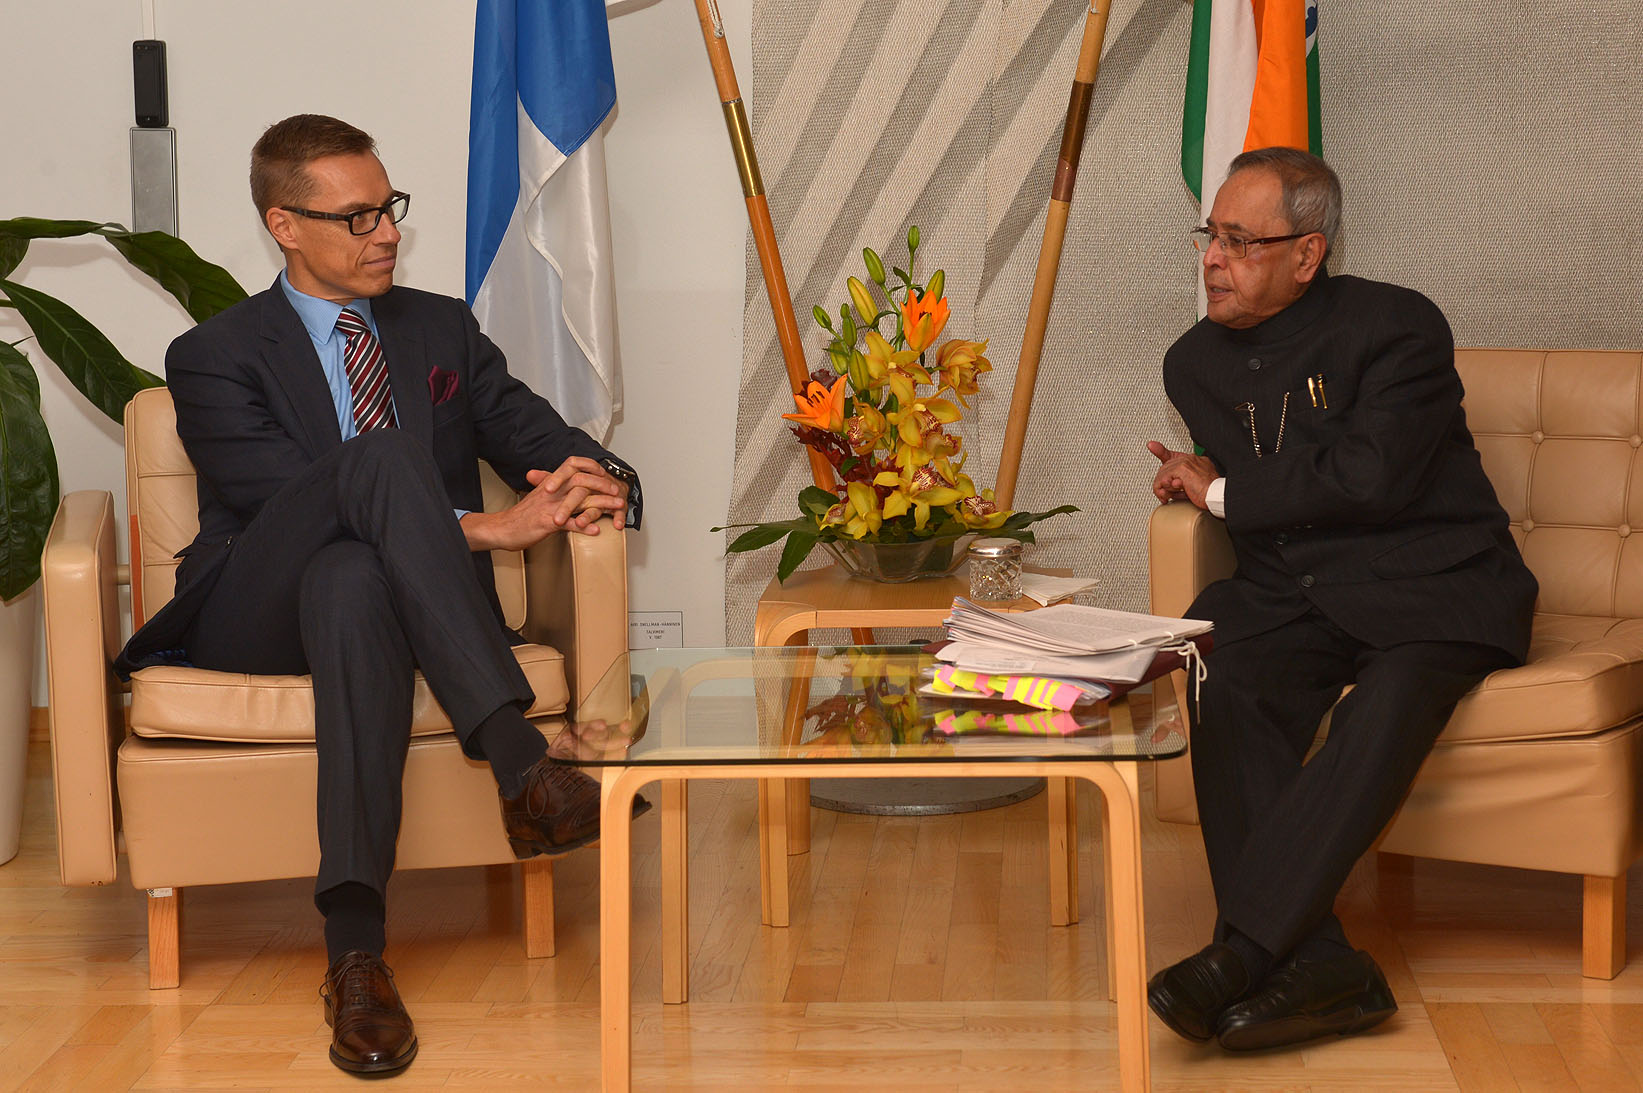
(319, 318)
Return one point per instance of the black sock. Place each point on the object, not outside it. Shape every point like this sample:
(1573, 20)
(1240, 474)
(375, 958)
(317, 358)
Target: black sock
(355, 918)
(1256, 960)
(1326, 942)
(511, 745)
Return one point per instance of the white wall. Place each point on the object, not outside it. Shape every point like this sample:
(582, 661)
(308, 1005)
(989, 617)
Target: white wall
(679, 220)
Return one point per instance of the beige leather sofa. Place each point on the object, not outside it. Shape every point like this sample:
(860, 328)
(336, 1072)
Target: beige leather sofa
(213, 781)
(1539, 766)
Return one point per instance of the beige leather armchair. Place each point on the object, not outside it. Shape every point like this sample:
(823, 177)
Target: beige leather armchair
(1539, 766)
(213, 780)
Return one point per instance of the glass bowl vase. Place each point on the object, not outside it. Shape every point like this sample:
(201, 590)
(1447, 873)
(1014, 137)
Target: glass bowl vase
(897, 563)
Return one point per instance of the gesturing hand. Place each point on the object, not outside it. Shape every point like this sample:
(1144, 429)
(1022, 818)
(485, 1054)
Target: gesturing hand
(1182, 475)
(571, 498)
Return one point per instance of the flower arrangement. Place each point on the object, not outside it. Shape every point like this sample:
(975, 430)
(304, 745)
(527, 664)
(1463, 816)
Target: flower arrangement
(878, 416)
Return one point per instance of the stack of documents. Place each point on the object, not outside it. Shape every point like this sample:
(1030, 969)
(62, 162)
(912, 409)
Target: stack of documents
(1058, 658)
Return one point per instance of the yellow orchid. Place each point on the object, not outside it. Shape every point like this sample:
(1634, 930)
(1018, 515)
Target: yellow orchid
(865, 429)
(919, 424)
(922, 318)
(958, 364)
(820, 407)
(916, 490)
(978, 510)
(859, 512)
(900, 371)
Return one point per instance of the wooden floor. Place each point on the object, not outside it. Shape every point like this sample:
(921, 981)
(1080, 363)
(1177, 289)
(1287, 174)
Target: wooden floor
(919, 958)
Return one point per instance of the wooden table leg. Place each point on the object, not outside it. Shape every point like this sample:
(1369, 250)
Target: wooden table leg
(675, 891)
(1120, 792)
(1063, 850)
(615, 929)
(773, 849)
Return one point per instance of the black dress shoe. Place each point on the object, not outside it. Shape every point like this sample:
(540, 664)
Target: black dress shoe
(557, 811)
(371, 1033)
(1190, 996)
(1306, 999)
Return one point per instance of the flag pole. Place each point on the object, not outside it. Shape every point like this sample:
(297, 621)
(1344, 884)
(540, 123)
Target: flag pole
(758, 214)
(1049, 252)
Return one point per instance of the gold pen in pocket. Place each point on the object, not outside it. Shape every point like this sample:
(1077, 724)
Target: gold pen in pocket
(1315, 388)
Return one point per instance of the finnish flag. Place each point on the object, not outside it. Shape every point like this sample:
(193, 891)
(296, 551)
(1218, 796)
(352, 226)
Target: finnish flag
(539, 274)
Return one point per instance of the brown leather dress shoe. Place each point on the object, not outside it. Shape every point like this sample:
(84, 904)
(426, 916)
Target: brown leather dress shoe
(557, 811)
(370, 1031)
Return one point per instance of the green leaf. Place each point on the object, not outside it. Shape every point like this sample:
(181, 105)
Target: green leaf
(33, 227)
(799, 546)
(20, 370)
(87, 358)
(815, 500)
(12, 251)
(761, 535)
(203, 288)
(28, 474)
(1022, 519)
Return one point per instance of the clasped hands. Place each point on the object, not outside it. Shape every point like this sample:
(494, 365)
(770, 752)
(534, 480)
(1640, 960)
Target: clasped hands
(572, 498)
(1182, 475)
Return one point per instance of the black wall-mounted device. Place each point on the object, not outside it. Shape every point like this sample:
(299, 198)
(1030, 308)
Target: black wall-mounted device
(148, 83)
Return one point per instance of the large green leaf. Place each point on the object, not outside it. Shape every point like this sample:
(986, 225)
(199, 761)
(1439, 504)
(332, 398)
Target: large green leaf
(815, 500)
(12, 250)
(762, 535)
(87, 358)
(33, 227)
(798, 548)
(203, 288)
(28, 475)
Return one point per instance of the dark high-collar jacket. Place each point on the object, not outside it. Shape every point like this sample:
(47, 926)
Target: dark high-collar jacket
(1374, 508)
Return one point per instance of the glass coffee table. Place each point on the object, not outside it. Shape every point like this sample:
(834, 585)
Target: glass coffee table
(673, 715)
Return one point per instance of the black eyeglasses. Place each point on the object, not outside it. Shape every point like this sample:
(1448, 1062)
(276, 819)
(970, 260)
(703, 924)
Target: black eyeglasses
(1236, 246)
(365, 221)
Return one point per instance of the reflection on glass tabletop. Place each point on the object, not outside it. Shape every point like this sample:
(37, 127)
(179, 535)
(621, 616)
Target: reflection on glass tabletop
(847, 704)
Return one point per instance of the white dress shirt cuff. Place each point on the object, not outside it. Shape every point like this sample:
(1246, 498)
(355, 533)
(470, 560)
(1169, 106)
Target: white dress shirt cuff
(1215, 498)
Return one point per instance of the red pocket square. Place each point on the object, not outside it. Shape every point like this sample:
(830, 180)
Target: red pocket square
(441, 385)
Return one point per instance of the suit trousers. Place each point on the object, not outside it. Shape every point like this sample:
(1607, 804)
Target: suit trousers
(1282, 831)
(357, 573)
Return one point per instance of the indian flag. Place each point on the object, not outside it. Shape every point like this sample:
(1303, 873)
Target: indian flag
(1252, 82)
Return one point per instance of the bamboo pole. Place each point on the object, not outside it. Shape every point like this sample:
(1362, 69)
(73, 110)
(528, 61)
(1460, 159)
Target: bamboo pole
(758, 213)
(1049, 252)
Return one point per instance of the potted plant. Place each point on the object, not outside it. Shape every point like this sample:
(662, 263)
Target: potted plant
(28, 463)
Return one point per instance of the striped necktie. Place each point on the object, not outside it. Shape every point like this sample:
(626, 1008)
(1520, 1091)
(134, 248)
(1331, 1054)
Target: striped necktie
(367, 374)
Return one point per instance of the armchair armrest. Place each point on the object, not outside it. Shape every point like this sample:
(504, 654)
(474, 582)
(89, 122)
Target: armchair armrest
(82, 612)
(576, 593)
(1187, 549)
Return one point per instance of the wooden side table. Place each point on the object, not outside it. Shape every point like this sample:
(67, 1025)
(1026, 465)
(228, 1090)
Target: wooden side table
(829, 598)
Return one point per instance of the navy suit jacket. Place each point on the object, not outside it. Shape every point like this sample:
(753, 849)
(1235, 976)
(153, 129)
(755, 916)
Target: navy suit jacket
(254, 410)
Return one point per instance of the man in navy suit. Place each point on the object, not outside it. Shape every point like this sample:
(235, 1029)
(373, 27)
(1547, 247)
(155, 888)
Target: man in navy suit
(1371, 551)
(336, 423)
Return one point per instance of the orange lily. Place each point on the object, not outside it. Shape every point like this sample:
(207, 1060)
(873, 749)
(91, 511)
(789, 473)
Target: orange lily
(820, 407)
(922, 319)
